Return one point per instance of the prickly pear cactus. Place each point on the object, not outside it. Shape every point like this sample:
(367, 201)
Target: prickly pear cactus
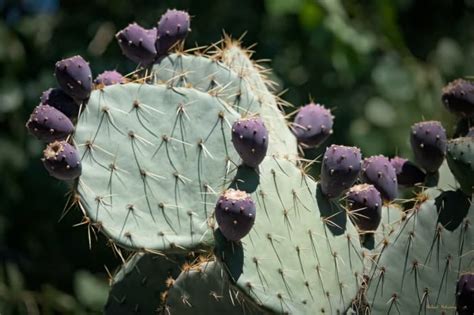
(192, 157)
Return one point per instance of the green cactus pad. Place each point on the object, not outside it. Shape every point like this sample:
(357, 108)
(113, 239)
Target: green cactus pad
(290, 262)
(460, 156)
(237, 59)
(153, 160)
(237, 83)
(206, 75)
(418, 269)
(205, 289)
(140, 283)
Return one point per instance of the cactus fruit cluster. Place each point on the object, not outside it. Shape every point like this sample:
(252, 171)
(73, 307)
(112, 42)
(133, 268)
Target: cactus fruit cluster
(190, 166)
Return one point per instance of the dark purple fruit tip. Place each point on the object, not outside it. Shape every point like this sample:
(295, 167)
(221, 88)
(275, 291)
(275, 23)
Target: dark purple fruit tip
(61, 101)
(235, 213)
(173, 27)
(465, 294)
(109, 78)
(339, 169)
(62, 160)
(250, 139)
(378, 171)
(365, 206)
(408, 174)
(138, 43)
(312, 125)
(428, 142)
(48, 124)
(458, 97)
(74, 77)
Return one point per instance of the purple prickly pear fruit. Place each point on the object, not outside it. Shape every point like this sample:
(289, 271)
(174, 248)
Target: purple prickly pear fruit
(109, 78)
(339, 169)
(250, 139)
(48, 124)
(138, 43)
(235, 213)
(62, 160)
(458, 97)
(61, 101)
(172, 28)
(408, 174)
(465, 294)
(365, 205)
(75, 77)
(428, 142)
(378, 171)
(313, 125)
(470, 133)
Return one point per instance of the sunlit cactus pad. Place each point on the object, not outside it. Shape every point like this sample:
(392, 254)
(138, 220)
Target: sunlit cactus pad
(153, 159)
(290, 262)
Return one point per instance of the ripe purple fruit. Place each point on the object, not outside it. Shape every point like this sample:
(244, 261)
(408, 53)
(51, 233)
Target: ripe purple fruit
(428, 142)
(458, 97)
(109, 78)
(339, 170)
(312, 125)
(235, 213)
(378, 171)
(408, 174)
(365, 205)
(62, 160)
(465, 294)
(75, 77)
(138, 43)
(172, 28)
(61, 101)
(250, 139)
(48, 124)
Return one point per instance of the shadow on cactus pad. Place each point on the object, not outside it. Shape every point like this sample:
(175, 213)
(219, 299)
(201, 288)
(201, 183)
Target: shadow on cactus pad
(246, 179)
(230, 253)
(334, 215)
(452, 207)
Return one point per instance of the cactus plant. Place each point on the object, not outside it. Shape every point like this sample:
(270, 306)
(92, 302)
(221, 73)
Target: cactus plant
(154, 168)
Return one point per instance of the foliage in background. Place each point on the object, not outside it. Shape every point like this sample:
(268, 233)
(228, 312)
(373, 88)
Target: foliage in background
(378, 65)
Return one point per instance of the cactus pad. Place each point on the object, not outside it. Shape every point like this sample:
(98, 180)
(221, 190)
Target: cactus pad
(460, 156)
(432, 259)
(154, 159)
(139, 285)
(291, 263)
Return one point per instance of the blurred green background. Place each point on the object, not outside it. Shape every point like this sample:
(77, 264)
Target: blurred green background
(378, 64)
